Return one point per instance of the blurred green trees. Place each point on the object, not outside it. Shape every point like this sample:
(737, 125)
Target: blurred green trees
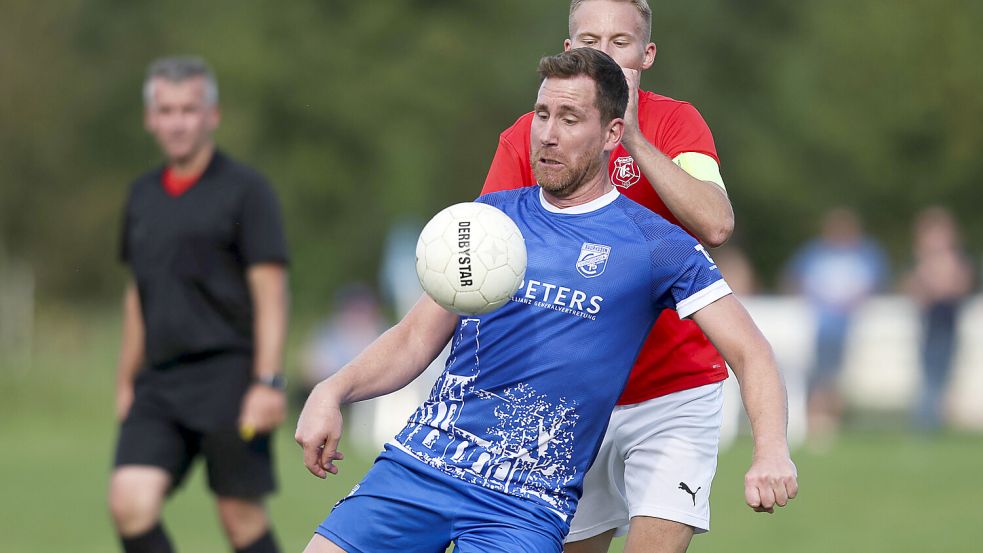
(365, 112)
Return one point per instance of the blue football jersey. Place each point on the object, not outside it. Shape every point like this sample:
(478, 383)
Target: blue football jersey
(527, 391)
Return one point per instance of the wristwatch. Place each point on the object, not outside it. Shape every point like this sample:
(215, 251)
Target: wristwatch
(276, 381)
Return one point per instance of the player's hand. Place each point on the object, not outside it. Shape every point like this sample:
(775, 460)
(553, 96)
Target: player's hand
(124, 400)
(263, 409)
(318, 432)
(632, 130)
(772, 480)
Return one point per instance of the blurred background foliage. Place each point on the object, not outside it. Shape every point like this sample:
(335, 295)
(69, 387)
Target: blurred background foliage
(365, 113)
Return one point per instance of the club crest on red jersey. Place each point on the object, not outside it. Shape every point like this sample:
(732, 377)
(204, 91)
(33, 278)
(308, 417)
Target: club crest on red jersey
(593, 259)
(625, 172)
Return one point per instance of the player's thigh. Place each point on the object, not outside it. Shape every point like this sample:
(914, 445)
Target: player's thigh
(238, 468)
(672, 459)
(321, 544)
(596, 544)
(603, 507)
(656, 535)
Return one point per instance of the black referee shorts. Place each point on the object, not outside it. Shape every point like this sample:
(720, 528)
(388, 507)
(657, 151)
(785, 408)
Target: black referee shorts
(192, 409)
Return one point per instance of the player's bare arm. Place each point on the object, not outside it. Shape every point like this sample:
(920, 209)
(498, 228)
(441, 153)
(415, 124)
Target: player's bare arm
(392, 361)
(772, 478)
(701, 206)
(131, 350)
(264, 407)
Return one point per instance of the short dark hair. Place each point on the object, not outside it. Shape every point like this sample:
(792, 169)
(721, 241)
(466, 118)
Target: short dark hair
(609, 80)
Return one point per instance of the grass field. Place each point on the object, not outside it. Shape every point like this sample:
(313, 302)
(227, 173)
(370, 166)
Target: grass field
(874, 491)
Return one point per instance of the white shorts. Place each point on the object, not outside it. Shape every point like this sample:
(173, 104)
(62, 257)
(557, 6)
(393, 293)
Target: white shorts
(657, 459)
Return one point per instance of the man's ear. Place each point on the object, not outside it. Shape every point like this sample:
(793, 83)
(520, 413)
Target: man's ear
(215, 117)
(616, 129)
(649, 58)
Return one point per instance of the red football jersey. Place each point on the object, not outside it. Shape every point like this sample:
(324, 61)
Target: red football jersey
(676, 355)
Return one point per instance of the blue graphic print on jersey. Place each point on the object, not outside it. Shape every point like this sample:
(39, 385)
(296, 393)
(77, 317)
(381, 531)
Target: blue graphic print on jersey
(525, 396)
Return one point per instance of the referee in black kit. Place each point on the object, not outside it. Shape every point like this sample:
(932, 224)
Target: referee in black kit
(204, 322)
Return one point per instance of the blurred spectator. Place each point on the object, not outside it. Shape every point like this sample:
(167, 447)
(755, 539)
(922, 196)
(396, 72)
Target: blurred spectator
(397, 273)
(940, 280)
(355, 323)
(836, 273)
(736, 268)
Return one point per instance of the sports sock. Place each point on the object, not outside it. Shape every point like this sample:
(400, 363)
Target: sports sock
(264, 544)
(154, 540)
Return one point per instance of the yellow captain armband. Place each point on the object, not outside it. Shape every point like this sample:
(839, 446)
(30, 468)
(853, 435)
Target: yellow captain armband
(700, 166)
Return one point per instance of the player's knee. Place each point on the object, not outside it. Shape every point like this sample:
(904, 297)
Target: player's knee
(244, 520)
(133, 505)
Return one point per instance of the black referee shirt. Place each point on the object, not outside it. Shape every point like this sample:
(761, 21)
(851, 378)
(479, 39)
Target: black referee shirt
(189, 256)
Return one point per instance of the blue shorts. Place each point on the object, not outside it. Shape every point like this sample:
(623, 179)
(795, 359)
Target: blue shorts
(403, 505)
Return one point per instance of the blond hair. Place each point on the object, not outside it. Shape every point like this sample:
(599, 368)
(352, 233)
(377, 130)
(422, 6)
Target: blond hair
(641, 5)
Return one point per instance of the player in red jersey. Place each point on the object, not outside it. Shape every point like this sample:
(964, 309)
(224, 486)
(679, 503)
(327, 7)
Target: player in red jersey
(655, 467)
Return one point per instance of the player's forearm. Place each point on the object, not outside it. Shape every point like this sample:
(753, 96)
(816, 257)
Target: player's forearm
(131, 350)
(384, 367)
(701, 206)
(730, 328)
(765, 400)
(394, 359)
(270, 297)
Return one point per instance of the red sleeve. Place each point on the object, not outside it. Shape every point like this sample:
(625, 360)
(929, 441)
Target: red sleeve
(686, 131)
(510, 168)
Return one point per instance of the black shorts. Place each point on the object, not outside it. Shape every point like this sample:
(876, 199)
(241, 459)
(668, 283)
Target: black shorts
(191, 409)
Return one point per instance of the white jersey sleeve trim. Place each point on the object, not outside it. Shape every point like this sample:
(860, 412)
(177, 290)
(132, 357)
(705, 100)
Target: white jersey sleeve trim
(702, 298)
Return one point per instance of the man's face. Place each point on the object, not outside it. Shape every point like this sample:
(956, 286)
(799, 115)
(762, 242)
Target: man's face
(615, 28)
(567, 138)
(180, 118)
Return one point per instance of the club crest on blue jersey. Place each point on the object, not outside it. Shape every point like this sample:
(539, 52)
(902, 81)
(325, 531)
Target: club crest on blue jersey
(593, 259)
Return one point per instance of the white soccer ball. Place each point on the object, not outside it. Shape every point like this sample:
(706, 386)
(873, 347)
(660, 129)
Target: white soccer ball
(471, 258)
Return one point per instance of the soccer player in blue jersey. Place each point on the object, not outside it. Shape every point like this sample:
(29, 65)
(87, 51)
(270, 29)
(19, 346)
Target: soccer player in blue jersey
(494, 459)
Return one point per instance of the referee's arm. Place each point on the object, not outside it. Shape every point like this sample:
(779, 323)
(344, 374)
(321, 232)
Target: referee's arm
(268, 288)
(130, 351)
(264, 407)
